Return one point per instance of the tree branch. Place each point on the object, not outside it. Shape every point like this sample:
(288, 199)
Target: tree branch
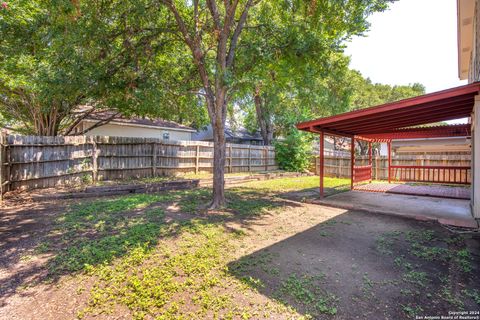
(212, 6)
(98, 124)
(236, 33)
(78, 120)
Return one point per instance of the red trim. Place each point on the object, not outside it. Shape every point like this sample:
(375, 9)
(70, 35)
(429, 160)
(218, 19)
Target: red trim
(432, 99)
(396, 120)
(432, 174)
(462, 130)
(442, 109)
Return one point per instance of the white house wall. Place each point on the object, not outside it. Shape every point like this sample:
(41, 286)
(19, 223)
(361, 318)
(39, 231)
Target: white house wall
(134, 131)
(476, 159)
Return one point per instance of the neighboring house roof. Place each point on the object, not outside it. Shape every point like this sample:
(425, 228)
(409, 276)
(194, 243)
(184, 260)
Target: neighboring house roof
(6, 130)
(240, 134)
(137, 121)
(243, 134)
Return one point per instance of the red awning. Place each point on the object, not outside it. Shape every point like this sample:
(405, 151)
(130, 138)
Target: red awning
(391, 119)
(458, 130)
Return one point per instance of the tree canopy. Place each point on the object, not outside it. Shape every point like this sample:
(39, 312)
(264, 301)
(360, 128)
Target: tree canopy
(291, 61)
(367, 94)
(60, 55)
(189, 61)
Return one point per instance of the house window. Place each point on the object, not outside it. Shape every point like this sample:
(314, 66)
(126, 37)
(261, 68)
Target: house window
(166, 135)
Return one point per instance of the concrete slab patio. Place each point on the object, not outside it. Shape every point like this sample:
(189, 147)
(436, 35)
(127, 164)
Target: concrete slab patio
(442, 191)
(455, 212)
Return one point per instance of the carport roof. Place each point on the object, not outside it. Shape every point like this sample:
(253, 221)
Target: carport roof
(392, 119)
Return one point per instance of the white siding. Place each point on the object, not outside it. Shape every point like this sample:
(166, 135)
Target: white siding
(476, 158)
(116, 130)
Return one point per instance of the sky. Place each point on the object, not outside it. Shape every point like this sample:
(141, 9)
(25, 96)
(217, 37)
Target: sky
(414, 41)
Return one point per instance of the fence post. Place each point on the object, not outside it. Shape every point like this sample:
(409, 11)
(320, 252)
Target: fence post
(265, 151)
(8, 167)
(3, 159)
(197, 158)
(94, 159)
(230, 159)
(249, 158)
(154, 159)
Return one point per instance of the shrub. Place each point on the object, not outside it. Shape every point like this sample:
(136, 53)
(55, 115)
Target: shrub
(294, 153)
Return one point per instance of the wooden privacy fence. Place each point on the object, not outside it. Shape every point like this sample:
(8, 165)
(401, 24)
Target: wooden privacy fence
(449, 168)
(40, 162)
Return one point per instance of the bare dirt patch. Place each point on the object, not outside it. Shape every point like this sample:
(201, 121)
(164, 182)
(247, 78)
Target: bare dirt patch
(268, 255)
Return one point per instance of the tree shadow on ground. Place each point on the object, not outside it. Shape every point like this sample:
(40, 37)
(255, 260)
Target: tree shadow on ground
(313, 193)
(50, 240)
(367, 266)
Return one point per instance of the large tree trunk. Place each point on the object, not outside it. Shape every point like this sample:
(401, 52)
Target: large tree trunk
(218, 113)
(218, 165)
(46, 124)
(263, 118)
(226, 33)
(218, 118)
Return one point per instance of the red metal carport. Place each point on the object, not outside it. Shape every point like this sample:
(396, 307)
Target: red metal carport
(397, 120)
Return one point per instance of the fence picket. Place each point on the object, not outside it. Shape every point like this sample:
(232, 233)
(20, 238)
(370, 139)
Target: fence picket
(339, 166)
(39, 162)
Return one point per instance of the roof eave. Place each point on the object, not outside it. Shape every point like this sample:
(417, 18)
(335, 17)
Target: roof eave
(419, 100)
(465, 16)
(143, 125)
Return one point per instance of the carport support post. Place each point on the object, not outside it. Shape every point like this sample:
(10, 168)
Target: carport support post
(370, 159)
(322, 160)
(389, 147)
(352, 161)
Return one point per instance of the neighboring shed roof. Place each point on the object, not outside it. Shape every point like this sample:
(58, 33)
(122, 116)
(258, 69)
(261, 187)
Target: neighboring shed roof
(243, 134)
(394, 117)
(239, 134)
(138, 121)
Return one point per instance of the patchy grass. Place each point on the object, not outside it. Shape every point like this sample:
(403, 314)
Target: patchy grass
(96, 232)
(146, 281)
(158, 179)
(307, 291)
(422, 248)
(264, 256)
(474, 294)
(418, 278)
(296, 184)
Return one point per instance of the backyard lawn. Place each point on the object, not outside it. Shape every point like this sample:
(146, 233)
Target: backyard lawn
(268, 255)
